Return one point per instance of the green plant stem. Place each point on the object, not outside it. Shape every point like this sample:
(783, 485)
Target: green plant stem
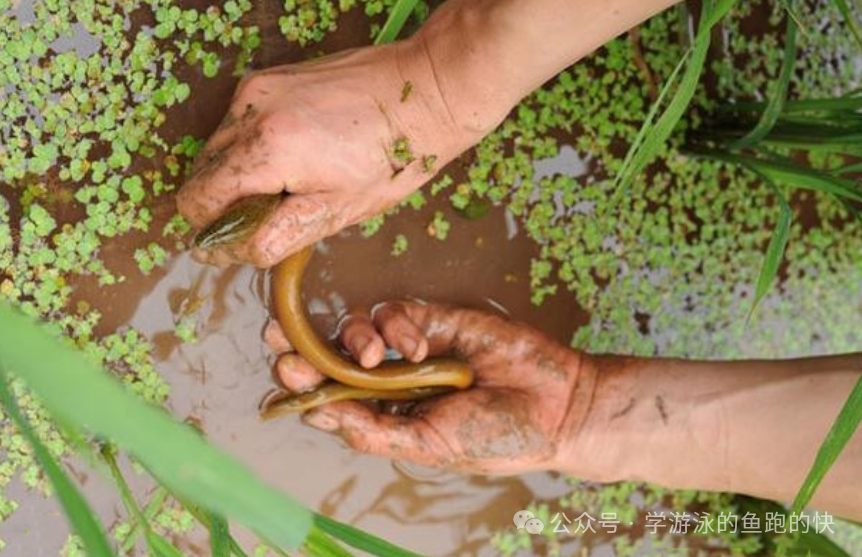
(150, 511)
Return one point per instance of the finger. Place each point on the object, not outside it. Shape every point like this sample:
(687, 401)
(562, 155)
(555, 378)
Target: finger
(243, 168)
(472, 334)
(362, 340)
(299, 221)
(218, 258)
(275, 339)
(400, 332)
(396, 437)
(296, 374)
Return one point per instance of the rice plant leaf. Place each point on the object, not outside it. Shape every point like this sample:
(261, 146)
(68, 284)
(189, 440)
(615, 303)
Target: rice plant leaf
(160, 547)
(839, 435)
(775, 250)
(219, 536)
(850, 169)
(778, 95)
(652, 135)
(77, 510)
(845, 104)
(805, 178)
(318, 543)
(395, 22)
(844, 8)
(359, 539)
(177, 455)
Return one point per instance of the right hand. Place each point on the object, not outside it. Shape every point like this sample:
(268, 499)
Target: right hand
(325, 132)
(523, 413)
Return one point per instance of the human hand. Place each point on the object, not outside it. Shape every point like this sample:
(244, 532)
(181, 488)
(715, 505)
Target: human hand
(346, 135)
(523, 412)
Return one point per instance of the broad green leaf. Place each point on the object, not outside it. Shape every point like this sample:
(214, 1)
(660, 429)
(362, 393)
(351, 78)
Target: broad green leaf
(839, 435)
(173, 452)
(848, 18)
(396, 20)
(219, 536)
(359, 539)
(74, 505)
(778, 95)
(775, 250)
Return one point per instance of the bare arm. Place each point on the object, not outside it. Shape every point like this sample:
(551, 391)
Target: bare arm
(749, 427)
(326, 130)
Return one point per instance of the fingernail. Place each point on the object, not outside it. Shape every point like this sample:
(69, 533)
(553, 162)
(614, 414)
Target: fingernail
(409, 344)
(321, 420)
(359, 344)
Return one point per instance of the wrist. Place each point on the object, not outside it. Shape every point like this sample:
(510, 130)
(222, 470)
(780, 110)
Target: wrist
(589, 449)
(460, 46)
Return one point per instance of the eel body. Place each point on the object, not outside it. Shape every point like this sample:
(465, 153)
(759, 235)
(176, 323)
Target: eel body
(392, 380)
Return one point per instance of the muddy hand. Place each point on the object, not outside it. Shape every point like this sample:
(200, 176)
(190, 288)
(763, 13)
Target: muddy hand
(347, 136)
(514, 419)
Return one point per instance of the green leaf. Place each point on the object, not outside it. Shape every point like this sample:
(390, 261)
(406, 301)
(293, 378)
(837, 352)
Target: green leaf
(396, 20)
(75, 506)
(839, 435)
(651, 137)
(359, 539)
(161, 547)
(848, 18)
(775, 250)
(318, 543)
(219, 536)
(185, 463)
(778, 95)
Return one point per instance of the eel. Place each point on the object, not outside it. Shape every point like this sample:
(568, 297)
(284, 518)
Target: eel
(391, 380)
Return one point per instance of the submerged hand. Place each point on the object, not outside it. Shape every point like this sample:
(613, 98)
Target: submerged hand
(347, 136)
(522, 413)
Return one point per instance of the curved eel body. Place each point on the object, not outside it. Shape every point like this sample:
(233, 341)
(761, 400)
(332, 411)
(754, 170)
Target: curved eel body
(389, 381)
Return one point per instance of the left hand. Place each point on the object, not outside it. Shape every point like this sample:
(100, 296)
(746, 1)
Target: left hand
(522, 414)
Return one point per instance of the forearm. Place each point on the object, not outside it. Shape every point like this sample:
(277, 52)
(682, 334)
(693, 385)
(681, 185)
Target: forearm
(488, 54)
(745, 427)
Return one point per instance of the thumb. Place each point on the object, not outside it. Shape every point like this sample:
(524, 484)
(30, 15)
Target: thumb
(391, 436)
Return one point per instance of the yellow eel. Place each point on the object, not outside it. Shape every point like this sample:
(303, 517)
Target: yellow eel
(391, 380)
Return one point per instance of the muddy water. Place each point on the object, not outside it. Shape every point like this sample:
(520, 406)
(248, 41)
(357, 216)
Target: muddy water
(219, 379)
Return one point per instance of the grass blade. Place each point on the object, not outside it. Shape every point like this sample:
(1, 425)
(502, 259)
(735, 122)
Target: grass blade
(319, 543)
(779, 93)
(775, 250)
(850, 169)
(395, 22)
(173, 452)
(219, 536)
(75, 506)
(654, 136)
(842, 430)
(848, 18)
(359, 539)
(159, 546)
